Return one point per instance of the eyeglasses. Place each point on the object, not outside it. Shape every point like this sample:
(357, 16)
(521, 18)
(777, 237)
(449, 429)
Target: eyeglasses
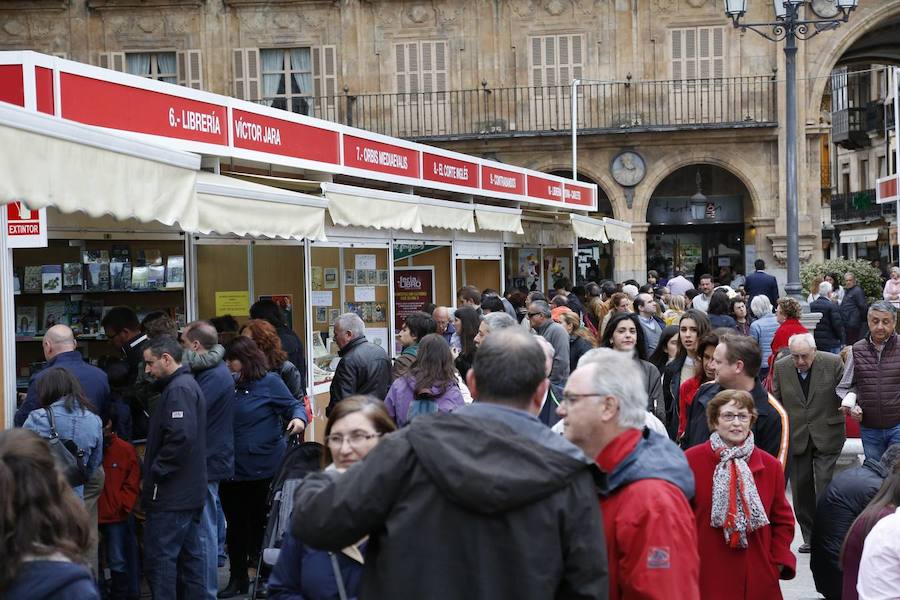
(355, 439)
(729, 417)
(534, 314)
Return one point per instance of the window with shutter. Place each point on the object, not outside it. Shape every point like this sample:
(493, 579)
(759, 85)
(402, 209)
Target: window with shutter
(112, 60)
(422, 68)
(246, 73)
(697, 53)
(325, 79)
(190, 69)
(555, 61)
(161, 66)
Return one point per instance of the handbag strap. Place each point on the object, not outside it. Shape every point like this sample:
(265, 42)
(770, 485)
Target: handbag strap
(338, 578)
(53, 432)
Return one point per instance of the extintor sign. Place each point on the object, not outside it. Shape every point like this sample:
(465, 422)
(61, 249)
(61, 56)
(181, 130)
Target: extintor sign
(25, 228)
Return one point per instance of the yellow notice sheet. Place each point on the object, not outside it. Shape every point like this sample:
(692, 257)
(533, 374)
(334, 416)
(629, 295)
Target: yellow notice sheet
(233, 303)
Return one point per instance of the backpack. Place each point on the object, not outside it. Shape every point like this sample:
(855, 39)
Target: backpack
(69, 458)
(421, 405)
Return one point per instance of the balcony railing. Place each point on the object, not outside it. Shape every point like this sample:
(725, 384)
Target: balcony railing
(602, 107)
(858, 206)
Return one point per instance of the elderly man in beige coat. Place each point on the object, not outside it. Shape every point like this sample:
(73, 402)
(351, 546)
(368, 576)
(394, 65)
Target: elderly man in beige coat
(805, 383)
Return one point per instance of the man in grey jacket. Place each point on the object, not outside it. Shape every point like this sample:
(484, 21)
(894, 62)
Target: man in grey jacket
(540, 318)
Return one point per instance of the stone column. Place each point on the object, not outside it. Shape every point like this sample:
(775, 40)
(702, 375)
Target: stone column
(630, 260)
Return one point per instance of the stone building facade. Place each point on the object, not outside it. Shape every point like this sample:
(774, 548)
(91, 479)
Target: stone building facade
(427, 69)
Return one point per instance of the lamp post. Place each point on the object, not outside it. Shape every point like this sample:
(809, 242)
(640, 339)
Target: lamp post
(788, 26)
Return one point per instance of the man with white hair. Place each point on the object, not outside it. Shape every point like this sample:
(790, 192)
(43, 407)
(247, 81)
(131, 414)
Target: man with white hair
(443, 317)
(494, 321)
(548, 415)
(829, 330)
(763, 329)
(645, 484)
(805, 384)
(364, 367)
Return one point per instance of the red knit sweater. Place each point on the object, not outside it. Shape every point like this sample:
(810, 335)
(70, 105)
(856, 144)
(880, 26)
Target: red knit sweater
(783, 334)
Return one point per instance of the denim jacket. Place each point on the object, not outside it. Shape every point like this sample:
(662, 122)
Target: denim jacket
(81, 426)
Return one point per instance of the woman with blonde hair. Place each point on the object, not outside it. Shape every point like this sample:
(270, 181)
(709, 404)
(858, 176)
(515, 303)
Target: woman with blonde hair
(618, 303)
(44, 526)
(676, 304)
(580, 339)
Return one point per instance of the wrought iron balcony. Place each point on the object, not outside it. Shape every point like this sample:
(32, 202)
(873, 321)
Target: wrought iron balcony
(731, 102)
(858, 206)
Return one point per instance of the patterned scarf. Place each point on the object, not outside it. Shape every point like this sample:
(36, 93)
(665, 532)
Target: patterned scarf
(736, 507)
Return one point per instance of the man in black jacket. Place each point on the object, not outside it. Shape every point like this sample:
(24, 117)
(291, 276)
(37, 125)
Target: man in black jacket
(853, 309)
(364, 367)
(174, 485)
(737, 360)
(760, 282)
(482, 503)
(829, 331)
(214, 379)
(838, 506)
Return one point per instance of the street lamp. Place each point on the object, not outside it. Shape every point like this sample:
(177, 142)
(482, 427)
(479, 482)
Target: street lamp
(788, 26)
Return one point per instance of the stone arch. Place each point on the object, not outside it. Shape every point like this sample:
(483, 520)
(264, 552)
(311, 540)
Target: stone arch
(613, 192)
(666, 167)
(860, 22)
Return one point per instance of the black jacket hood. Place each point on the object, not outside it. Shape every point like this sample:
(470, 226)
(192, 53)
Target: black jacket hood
(492, 459)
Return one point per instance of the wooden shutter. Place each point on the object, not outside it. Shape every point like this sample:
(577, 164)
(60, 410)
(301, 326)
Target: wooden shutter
(718, 52)
(577, 56)
(408, 69)
(550, 60)
(678, 54)
(570, 58)
(112, 60)
(433, 66)
(246, 73)
(324, 63)
(690, 54)
(537, 61)
(190, 69)
(704, 51)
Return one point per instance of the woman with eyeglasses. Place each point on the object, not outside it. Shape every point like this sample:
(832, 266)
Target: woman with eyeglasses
(744, 522)
(354, 428)
(264, 409)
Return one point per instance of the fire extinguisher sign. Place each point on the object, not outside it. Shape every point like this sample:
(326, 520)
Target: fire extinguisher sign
(25, 228)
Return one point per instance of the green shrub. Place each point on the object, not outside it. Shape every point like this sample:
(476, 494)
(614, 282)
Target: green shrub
(867, 276)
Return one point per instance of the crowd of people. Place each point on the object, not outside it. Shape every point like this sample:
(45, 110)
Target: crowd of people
(600, 441)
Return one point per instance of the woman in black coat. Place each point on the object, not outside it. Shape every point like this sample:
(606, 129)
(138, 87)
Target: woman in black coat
(580, 340)
(625, 334)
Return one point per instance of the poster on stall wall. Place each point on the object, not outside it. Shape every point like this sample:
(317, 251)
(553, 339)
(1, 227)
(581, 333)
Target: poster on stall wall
(286, 303)
(413, 289)
(528, 267)
(556, 268)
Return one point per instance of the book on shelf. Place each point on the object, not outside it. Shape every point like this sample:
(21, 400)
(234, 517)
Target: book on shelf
(51, 279)
(175, 272)
(96, 277)
(120, 254)
(26, 321)
(119, 275)
(156, 277)
(91, 314)
(95, 256)
(149, 256)
(54, 314)
(72, 279)
(140, 277)
(17, 282)
(32, 282)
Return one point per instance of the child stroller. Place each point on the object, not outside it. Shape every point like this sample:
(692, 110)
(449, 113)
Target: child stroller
(300, 459)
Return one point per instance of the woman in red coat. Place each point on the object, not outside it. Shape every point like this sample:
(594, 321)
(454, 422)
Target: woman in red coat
(788, 314)
(744, 522)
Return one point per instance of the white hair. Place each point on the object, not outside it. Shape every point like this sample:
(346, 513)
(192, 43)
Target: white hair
(615, 374)
(761, 305)
(352, 323)
(824, 289)
(630, 290)
(805, 338)
(496, 321)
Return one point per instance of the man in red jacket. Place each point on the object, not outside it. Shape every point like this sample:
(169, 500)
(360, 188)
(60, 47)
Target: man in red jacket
(645, 483)
(120, 492)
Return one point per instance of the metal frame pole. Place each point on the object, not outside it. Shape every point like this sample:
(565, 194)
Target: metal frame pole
(575, 84)
(792, 287)
(896, 84)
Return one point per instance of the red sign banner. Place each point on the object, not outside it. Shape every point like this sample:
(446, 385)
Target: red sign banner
(117, 106)
(43, 82)
(262, 133)
(12, 84)
(25, 228)
(501, 180)
(444, 169)
(545, 189)
(380, 157)
(413, 289)
(579, 194)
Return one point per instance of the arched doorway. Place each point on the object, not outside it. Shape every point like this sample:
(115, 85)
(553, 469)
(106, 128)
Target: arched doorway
(698, 219)
(593, 259)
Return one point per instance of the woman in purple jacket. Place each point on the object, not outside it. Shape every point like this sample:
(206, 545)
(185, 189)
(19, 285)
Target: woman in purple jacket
(429, 385)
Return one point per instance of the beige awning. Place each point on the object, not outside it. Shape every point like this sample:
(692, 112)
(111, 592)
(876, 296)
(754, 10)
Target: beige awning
(446, 215)
(361, 207)
(497, 218)
(588, 228)
(857, 236)
(617, 230)
(230, 205)
(75, 167)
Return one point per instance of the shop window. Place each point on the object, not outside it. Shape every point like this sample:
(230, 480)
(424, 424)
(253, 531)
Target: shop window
(75, 282)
